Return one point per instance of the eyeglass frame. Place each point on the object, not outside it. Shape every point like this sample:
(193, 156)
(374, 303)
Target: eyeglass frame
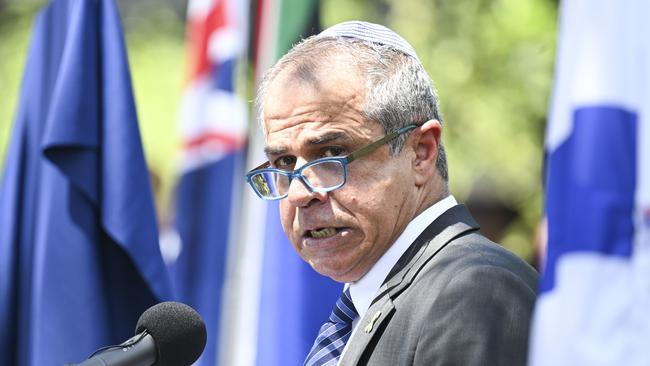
(343, 160)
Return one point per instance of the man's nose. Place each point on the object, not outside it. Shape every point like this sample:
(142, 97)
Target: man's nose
(300, 195)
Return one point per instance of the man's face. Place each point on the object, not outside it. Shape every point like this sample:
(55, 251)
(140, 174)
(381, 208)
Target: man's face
(342, 233)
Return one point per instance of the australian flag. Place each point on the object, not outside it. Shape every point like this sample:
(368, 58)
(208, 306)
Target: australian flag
(213, 127)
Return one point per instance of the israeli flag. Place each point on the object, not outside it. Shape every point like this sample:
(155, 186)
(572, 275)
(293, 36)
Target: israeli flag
(594, 303)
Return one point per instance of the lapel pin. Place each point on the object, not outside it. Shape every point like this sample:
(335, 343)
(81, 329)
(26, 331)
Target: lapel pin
(372, 322)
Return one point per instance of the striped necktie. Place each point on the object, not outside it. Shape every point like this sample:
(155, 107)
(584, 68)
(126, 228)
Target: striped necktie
(333, 334)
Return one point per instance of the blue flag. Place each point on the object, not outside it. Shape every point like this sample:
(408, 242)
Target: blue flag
(595, 292)
(79, 256)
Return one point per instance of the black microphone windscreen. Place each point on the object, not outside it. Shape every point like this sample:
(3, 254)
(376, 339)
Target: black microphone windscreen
(178, 330)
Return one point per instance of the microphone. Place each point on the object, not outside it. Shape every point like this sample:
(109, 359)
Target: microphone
(167, 334)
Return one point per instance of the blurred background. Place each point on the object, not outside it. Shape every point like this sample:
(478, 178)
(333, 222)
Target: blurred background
(491, 61)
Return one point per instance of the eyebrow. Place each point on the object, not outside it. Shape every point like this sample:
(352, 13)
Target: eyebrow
(319, 140)
(270, 150)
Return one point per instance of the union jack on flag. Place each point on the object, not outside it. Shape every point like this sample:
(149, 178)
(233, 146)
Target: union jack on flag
(213, 116)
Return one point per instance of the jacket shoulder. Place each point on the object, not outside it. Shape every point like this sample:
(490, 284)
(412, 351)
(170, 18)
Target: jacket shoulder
(469, 304)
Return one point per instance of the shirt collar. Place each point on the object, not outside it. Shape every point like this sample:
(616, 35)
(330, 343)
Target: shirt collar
(364, 290)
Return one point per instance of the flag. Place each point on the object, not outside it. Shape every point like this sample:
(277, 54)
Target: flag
(79, 255)
(213, 126)
(595, 292)
(280, 301)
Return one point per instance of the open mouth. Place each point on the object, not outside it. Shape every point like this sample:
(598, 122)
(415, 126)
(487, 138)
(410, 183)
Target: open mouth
(323, 233)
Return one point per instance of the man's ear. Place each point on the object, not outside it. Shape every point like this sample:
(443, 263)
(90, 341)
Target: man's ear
(426, 145)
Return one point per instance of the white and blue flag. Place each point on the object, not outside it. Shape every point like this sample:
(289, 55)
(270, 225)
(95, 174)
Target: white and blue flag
(594, 302)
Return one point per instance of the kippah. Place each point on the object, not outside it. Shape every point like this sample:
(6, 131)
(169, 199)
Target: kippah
(369, 32)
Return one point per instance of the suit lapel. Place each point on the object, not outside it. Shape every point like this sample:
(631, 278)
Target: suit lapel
(455, 215)
(453, 223)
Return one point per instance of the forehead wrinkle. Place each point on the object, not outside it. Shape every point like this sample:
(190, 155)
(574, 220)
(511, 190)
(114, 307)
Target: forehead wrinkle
(324, 103)
(328, 137)
(311, 141)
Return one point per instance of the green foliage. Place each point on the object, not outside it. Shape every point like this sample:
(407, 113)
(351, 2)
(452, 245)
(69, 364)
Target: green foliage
(156, 59)
(15, 27)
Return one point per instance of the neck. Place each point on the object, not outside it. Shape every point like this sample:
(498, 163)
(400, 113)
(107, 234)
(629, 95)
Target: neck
(430, 194)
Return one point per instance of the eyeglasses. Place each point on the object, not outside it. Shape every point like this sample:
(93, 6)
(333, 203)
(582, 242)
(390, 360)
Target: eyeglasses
(320, 175)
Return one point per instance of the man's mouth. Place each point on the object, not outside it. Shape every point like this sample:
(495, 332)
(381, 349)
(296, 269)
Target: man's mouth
(322, 233)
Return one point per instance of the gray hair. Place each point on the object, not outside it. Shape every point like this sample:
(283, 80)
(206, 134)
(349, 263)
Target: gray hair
(398, 90)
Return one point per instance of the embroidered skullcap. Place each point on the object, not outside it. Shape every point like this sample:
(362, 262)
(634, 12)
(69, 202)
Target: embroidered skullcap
(370, 32)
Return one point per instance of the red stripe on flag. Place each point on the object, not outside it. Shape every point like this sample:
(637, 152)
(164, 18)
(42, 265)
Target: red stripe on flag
(229, 142)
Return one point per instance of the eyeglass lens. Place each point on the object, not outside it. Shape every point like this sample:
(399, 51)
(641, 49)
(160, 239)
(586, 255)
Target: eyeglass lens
(322, 175)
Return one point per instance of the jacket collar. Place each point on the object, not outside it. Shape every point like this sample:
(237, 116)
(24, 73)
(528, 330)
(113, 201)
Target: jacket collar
(455, 222)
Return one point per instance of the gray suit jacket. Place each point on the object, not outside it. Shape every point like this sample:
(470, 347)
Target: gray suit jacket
(454, 298)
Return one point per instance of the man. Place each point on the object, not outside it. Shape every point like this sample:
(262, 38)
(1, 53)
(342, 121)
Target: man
(353, 136)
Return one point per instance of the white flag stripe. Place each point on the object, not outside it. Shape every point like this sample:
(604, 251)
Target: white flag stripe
(596, 36)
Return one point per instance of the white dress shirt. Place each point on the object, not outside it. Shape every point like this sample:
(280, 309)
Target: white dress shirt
(364, 290)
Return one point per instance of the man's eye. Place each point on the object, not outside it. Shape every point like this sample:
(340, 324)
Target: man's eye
(285, 162)
(333, 151)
